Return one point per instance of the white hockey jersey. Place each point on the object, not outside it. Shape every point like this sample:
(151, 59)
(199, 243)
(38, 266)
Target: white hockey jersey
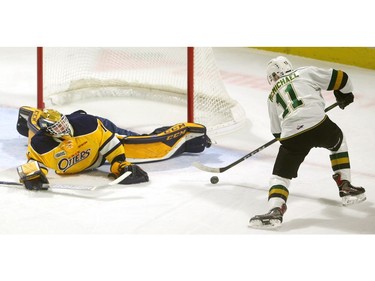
(296, 104)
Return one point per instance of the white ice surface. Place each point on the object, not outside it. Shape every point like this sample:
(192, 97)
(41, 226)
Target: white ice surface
(179, 199)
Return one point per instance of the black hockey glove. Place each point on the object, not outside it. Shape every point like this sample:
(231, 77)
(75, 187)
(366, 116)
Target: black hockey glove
(343, 99)
(32, 176)
(137, 176)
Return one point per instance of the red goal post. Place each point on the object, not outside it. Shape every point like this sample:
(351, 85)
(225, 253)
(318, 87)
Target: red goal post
(188, 75)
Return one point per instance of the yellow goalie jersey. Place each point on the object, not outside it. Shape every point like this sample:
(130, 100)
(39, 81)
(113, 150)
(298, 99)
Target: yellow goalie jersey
(90, 146)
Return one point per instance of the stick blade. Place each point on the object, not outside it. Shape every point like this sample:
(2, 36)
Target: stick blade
(202, 167)
(10, 183)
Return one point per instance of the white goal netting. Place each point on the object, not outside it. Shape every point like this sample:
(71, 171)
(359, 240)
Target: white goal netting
(74, 74)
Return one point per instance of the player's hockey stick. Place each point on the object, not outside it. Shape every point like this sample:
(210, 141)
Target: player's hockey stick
(223, 169)
(202, 167)
(75, 187)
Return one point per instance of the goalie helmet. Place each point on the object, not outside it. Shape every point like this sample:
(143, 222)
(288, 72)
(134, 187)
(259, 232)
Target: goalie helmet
(277, 68)
(54, 123)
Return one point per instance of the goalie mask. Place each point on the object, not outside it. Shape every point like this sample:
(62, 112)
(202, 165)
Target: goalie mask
(277, 68)
(54, 123)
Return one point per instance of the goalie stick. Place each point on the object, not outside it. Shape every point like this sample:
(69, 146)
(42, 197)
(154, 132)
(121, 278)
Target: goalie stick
(202, 167)
(74, 187)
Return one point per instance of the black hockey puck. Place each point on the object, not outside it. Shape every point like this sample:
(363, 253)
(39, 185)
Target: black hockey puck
(214, 180)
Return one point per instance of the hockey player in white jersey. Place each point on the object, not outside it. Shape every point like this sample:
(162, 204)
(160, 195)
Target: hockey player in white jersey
(298, 121)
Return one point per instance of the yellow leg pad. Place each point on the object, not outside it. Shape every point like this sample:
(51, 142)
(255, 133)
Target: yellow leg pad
(161, 146)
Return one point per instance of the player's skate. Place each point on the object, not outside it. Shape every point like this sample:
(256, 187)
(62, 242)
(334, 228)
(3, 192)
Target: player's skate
(349, 193)
(272, 219)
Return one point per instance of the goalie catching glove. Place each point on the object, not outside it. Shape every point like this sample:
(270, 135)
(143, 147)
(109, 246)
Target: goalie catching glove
(342, 99)
(33, 176)
(137, 174)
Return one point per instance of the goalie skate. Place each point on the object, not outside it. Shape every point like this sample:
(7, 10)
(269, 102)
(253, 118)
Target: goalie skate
(349, 194)
(272, 219)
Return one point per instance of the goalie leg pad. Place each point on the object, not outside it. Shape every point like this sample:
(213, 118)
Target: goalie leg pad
(199, 140)
(197, 144)
(158, 130)
(169, 142)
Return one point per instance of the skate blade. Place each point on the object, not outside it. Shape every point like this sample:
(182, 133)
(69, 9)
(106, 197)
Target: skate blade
(269, 224)
(351, 200)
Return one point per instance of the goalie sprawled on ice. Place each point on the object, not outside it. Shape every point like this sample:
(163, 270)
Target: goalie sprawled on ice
(79, 141)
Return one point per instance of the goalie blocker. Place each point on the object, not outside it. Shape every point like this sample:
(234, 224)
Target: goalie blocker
(163, 143)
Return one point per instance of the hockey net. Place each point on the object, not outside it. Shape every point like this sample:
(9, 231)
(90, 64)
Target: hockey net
(73, 74)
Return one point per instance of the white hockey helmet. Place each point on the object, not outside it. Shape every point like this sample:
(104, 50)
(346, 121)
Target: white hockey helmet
(277, 68)
(54, 123)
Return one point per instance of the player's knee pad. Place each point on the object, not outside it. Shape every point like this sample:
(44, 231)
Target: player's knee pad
(341, 146)
(339, 141)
